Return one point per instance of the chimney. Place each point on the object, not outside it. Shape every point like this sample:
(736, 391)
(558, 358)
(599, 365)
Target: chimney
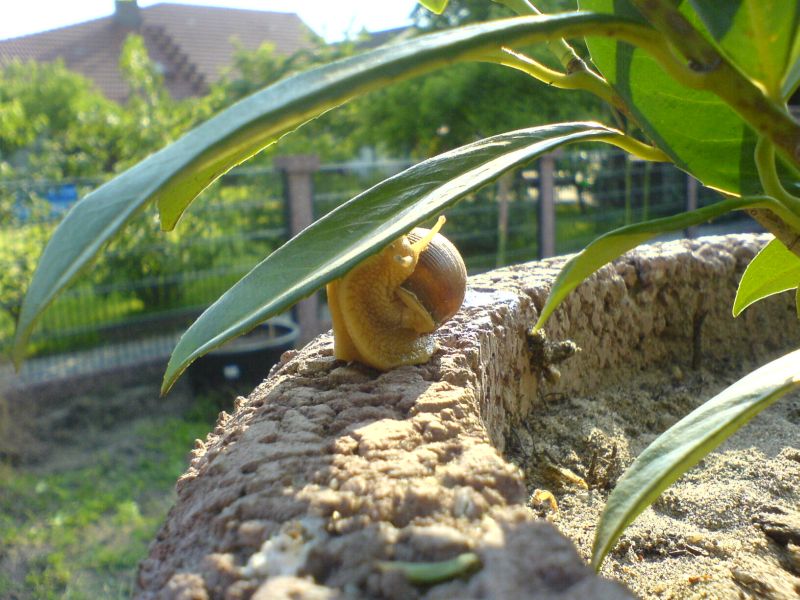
(126, 13)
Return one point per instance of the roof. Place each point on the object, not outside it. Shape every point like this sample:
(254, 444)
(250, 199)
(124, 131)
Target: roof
(379, 38)
(193, 44)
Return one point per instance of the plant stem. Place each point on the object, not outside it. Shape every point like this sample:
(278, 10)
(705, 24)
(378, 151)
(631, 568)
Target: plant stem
(583, 80)
(699, 67)
(777, 227)
(772, 222)
(768, 174)
(560, 48)
(664, 17)
(635, 147)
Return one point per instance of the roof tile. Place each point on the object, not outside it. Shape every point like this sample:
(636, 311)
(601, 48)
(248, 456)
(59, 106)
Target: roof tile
(194, 44)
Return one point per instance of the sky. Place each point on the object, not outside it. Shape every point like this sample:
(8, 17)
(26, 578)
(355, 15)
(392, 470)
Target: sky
(332, 19)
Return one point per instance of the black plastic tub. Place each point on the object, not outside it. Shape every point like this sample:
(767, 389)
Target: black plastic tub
(245, 361)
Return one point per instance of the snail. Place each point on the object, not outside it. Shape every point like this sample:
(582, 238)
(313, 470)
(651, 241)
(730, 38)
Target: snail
(385, 309)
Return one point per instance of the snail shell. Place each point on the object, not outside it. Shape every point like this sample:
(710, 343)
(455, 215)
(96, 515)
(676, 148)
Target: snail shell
(386, 307)
(440, 279)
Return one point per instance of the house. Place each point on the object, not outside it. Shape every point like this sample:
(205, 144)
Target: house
(193, 45)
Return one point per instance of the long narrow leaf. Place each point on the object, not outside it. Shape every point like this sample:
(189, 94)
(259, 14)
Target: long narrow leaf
(773, 270)
(343, 238)
(684, 444)
(615, 243)
(174, 176)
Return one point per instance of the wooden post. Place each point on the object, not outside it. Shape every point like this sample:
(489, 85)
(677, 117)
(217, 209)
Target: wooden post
(298, 191)
(691, 203)
(504, 185)
(547, 206)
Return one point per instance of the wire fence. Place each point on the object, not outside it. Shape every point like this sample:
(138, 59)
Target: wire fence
(150, 285)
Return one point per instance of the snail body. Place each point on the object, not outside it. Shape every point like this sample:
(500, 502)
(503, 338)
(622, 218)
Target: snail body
(385, 309)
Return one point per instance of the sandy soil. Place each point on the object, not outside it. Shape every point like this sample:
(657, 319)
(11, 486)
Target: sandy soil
(730, 528)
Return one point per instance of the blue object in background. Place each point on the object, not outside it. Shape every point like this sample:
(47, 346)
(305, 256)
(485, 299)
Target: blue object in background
(62, 197)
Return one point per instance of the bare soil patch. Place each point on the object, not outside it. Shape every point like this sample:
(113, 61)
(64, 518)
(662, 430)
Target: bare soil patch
(729, 528)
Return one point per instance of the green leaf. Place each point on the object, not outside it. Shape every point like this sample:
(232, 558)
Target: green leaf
(684, 444)
(423, 573)
(757, 35)
(773, 270)
(344, 237)
(615, 243)
(435, 6)
(174, 176)
(792, 78)
(702, 134)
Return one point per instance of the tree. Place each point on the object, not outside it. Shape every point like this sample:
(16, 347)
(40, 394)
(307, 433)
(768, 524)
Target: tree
(149, 263)
(469, 101)
(55, 124)
(24, 218)
(330, 136)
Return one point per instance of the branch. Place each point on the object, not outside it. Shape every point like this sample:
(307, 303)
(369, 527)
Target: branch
(637, 148)
(714, 73)
(560, 48)
(578, 80)
(777, 227)
(584, 80)
(768, 174)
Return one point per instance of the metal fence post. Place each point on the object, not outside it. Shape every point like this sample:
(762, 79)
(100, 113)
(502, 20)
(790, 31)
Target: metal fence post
(547, 206)
(691, 203)
(298, 191)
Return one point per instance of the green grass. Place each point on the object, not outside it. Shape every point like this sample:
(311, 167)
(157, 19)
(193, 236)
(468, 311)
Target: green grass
(75, 319)
(80, 533)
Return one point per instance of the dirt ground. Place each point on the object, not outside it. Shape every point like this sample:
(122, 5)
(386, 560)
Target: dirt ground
(730, 528)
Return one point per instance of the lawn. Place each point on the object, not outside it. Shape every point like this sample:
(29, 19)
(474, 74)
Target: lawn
(87, 485)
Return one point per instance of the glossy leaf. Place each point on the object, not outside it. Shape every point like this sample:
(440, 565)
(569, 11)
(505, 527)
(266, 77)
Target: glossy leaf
(757, 35)
(697, 129)
(175, 175)
(615, 243)
(344, 237)
(684, 444)
(435, 6)
(773, 270)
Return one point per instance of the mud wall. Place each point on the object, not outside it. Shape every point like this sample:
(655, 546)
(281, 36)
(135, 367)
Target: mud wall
(327, 469)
